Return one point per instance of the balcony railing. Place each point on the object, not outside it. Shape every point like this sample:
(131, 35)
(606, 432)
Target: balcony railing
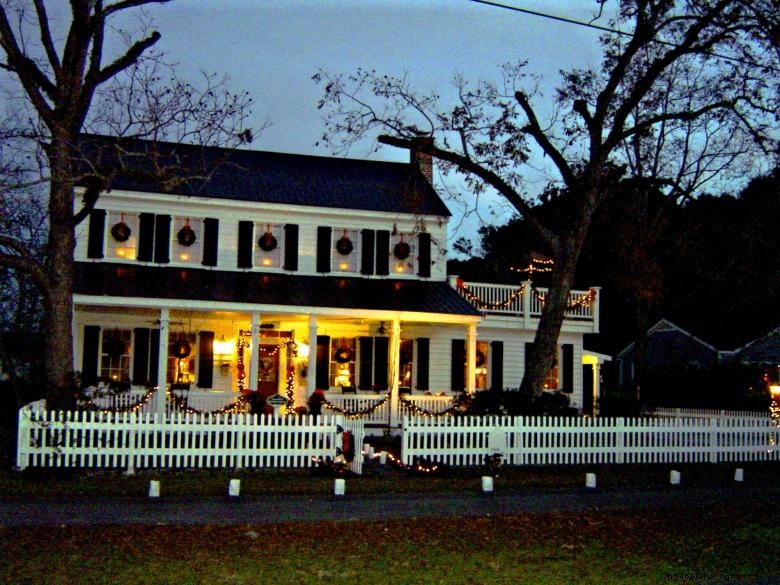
(526, 300)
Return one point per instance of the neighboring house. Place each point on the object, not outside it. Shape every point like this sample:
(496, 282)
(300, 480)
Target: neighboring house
(285, 274)
(668, 347)
(764, 350)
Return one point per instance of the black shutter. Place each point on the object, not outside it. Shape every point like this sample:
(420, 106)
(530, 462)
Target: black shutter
(245, 243)
(90, 357)
(529, 349)
(366, 362)
(424, 255)
(290, 247)
(497, 365)
(140, 356)
(380, 362)
(323, 362)
(154, 355)
(145, 237)
(383, 252)
(162, 239)
(206, 359)
(97, 232)
(567, 350)
(210, 241)
(457, 380)
(367, 252)
(423, 362)
(323, 248)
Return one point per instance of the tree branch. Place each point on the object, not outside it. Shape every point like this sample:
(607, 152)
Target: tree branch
(465, 164)
(46, 40)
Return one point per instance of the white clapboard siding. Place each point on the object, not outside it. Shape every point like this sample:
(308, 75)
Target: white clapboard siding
(568, 441)
(180, 440)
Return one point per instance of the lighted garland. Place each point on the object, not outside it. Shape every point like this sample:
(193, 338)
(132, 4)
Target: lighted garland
(135, 407)
(416, 410)
(488, 306)
(180, 402)
(290, 388)
(580, 303)
(355, 413)
(417, 466)
(532, 267)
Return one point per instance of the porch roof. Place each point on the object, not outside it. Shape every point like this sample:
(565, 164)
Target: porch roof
(263, 288)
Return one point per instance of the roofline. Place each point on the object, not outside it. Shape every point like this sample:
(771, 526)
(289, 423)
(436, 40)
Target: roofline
(666, 321)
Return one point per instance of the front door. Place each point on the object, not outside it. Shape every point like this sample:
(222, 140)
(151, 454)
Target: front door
(268, 370)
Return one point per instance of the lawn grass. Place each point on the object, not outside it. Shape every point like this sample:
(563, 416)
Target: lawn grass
(601, 547)
(376, 479)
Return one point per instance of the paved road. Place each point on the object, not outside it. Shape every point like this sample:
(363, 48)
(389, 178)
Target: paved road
(244, 510)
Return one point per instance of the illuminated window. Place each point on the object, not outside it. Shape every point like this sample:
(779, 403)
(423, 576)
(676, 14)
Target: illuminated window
(551, 382)
(405, 363)
(402, 254)
(346, 250)
(122, 235)
(182, 353)
(187, 240)
(268, 245)
(115, 355)
(342, 362)
(481, 363)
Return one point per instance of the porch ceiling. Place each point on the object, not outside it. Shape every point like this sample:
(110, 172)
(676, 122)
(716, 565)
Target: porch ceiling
(101, 279)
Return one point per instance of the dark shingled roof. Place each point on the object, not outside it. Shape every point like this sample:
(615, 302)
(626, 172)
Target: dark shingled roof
(267, 177)
(196, 284)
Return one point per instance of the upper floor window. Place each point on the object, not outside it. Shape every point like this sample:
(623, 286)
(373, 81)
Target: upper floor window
(345, 250)
(402, 254)
(122, 235)
(187, 240)
(269, 242)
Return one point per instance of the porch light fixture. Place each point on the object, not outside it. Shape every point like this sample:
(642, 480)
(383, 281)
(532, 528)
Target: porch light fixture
(303, 350)
(223, 349)
(774, 390)
(381, 329)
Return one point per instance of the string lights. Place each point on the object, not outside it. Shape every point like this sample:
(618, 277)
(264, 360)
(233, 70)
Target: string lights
(353, 414)
(135, 407)
(417, 410)
(491, 306)
(180, 402)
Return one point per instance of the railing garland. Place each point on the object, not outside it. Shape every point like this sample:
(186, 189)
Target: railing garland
(415, 409)
(580, 303)
(180, 402)
(488, 306)
(356, 413)
(89, 404)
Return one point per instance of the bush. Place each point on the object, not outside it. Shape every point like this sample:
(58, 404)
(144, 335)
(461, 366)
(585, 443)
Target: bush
(515, 402)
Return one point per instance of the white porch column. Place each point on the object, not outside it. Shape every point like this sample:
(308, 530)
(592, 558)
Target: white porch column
(254, 355)
(395, 358)
(527, 286)
(162, 362)
(471, 358)
(311, 367)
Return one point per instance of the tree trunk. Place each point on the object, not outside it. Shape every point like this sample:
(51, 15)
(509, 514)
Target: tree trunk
(556, 303)
(60, 391)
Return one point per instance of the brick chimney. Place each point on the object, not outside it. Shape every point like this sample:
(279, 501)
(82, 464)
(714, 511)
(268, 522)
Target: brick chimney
(422, 160)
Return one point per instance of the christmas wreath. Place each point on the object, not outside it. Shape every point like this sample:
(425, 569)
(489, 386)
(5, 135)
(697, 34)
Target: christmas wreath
(344, 245)
(121, 231)
(267, 242)
(480, 359)
(186, 236)
(343, 355)
(181, 349)
(402, 250)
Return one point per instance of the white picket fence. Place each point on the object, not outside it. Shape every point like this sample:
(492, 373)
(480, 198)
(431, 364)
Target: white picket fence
(463, 441)
(708, 412)
(146, 440)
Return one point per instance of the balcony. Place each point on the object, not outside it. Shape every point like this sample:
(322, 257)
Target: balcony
(526, 301)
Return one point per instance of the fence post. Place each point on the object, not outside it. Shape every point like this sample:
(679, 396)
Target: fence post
(620, 439)
(22, 438)
(714, 439)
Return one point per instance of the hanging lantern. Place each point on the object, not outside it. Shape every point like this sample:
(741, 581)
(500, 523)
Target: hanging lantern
(267, 242)
(343, 355)
(180, 349)
(344, 245)
(121, 231)
(186, 235)
(402, 250)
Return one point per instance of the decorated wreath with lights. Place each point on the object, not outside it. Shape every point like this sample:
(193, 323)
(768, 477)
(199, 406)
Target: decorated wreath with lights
(267, 242)
(344, 245)
(120, 231)
(343, 355)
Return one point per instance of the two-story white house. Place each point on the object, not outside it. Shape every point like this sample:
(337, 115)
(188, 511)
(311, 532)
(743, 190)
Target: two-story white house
(284, 274)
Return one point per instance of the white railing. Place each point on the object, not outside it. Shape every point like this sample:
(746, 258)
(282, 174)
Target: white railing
(430, 404)
(708, 412)
(356, 403)
(202, 400)
(551, 441)
(525, 300)
(106, 439)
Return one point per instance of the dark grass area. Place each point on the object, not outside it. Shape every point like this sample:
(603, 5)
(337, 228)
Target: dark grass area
(735, 544)
(377, 479)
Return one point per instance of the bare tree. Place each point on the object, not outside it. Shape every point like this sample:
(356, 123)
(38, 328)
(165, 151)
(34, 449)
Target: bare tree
(688, 88)
(61, 88)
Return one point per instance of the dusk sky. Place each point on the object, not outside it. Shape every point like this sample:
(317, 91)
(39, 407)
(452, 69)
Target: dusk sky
(272, 49)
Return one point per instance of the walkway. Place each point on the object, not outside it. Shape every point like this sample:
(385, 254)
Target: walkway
(16, 512)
